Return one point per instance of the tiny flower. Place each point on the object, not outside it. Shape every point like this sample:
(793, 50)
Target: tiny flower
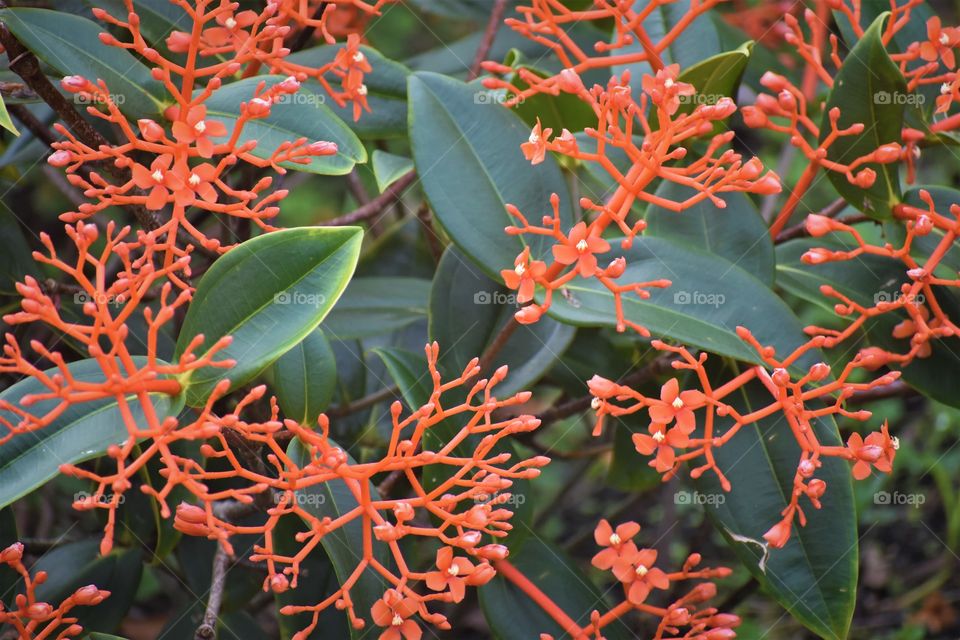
(940, 43)
(451, 574)
(196, 129)
(877, 450)
(535, 148)
(677, 405)
(159, 180)
(643, 577)
(393, 612)
(664, 89)
(619, 550)
(523, 277)
(662, 441)
(580, 248)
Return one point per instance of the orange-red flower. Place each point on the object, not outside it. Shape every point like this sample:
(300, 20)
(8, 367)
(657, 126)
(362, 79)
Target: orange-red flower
(618, 548)
(662, 441)
(642, 577)
(677, 405)
(393, 611)
(196, 129)
(941, 42)
(159, 180)
(535, 148)
(451, 574)
(524, 275)
(664, 89)
(877, 450)
(579, 248)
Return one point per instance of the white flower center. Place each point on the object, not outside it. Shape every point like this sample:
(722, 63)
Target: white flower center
(659, 437)
(230, 23)
(454, 570)
(945, 88)
(519, 269)
(582, 245)
(534, 137)
(397, 620)
(358, 56)
(944, 38)
(362, 90)
(157, 175)
(194, 180)
(615, 539)
(595, 404)
(677, 403)
(668, 83)
(895, 442)
(200, 127)
(642, 570)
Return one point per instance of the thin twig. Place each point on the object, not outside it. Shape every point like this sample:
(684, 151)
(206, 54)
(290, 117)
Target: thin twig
(375, 206)
(208, 628)
(489, 34)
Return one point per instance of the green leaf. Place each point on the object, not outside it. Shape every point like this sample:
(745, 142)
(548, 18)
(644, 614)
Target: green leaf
(8, 535)
(469, 173)
(708, 299)
(513, 615)
(344, 545)
(388, 168)
(158, 18)
(868, 89)
(815, 575)
(5, 121)
(304, 379)
(104, 636)
(468, 310)
(269, 293)
(565, 110)
(716, 77)
(15, 259)
(697, 42)
(386, 92)
(77, 564)
(82, 431)
(71, 45)
(377, 306)
(300, 115)
(736, 233)
(868, 280)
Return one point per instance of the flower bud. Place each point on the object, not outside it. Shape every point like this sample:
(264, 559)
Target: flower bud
(819, 371)
(816, 488)
(529, 314)
(887, 153)
(818, 225)
(493, 552)
(922, 226)
(60, 158)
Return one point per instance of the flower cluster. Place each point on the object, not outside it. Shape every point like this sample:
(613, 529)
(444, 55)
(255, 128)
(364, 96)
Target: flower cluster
(34, 619)
(636, 571)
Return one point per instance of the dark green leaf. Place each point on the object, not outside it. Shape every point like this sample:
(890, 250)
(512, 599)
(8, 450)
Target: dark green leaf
(736, 233)
(82, 431)
(868, 89)
(377, 306)
(158, 18)
(304, 379)
(300, 115)
(71, 45)
(268, 293)
(388, 168)
(15, 259)
(469, 174)
(468, 310)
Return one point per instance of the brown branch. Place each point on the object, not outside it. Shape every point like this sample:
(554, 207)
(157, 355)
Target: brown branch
(375, 206)
(489, 34)
(208, 628)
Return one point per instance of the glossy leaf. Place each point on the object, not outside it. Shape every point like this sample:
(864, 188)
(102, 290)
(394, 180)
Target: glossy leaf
(376, 306)
(71, 45)
(469, 175)
(709, 297)
(77, 564)
(386, 92)
(15, 260)
(388, 168)
(82, 431)
(512, 615)
(467, 311)
(269, 293)
(814, 576)
(736, 233)
(716, 77)
(300, 115)
(158, 18)
(304, 379)
(5, 121)
(343, 546)
(868, 89)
